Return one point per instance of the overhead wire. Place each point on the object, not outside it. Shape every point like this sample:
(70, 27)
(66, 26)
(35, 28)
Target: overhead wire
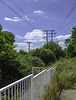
(4, 3)
(23, 11)
(70, 21)
(67, 17)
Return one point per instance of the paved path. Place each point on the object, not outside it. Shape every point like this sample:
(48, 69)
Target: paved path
(68, 95)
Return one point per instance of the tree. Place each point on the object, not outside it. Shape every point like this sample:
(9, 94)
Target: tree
(55, 48)
(27, 62)
(23, 52)
(0, 27)
(71, 43)
(8, 64)
(45, 54)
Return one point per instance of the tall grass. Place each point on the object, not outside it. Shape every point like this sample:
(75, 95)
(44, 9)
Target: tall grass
(64, 78)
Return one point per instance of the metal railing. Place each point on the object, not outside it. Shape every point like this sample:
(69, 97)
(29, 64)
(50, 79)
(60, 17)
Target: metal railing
(36, 70)
(28, 88)
(19, 90)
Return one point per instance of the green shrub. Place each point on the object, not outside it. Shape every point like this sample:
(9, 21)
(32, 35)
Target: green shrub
(66, 73)
(64, 78)
(55, 48)
(35, 61)
(45, 54)
(51, 92)
(27, 62)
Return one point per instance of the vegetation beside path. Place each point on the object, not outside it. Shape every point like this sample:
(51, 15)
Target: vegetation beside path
(65, 78)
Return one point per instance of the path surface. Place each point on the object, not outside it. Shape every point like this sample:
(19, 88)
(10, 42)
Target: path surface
(68, 95)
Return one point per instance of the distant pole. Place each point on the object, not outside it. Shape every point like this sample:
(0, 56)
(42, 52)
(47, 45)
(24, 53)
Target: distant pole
(29, 45)
(52, 34)
(57, 41)
(46, 35)
(49, 33)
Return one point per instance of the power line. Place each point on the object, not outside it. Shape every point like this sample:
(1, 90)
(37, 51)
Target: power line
(70, 21)
(67, 17)
(4, 3)
(17, 6)
(22, 10)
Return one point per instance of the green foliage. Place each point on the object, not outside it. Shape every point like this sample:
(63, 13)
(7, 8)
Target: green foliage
(64, 78)
(23, 52)
(35, 61)
(8, 64)
(0, 27)
(25, 66)
(8, 36)
(66, 73)
(55, 48)
(71, 43)
(45, 54)
(51, 91)
(6, 46)
(27, 62)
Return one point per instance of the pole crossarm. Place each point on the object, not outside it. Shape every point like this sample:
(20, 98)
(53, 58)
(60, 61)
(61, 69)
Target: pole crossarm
(51, 33)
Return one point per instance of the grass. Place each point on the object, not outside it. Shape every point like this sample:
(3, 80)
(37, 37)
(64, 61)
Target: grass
(64, 78)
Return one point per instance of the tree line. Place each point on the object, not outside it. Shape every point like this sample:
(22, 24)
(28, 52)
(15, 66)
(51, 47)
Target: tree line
(15, 65)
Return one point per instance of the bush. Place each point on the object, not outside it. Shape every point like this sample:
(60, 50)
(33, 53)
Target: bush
(64, 78)
(27, 62)
(66, 73)
(35, 61)
(45, 54)
(55, 48)
(51, 92)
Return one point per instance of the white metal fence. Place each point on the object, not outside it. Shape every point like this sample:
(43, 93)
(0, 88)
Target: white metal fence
(36, 70)
(28, 88)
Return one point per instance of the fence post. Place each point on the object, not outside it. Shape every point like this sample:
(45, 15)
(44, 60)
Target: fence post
(0, 95)
(32, 70)
(32, 88)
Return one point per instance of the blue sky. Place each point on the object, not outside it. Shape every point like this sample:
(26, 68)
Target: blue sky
(39, 15)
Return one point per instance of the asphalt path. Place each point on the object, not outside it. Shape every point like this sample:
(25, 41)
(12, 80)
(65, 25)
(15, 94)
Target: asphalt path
(68, 95)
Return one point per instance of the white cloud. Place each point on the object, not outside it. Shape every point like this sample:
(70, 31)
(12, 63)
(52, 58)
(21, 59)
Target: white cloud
(30, 40)
(15, 19)
(5, 30)
(38, 12)
(62, 44)
(20, 37)
(34, 36)
(21, 44)
(28, 19)
(17, 49)
(63, 37)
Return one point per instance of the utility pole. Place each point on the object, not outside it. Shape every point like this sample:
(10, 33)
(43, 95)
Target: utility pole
(48, 33)
(29, 45)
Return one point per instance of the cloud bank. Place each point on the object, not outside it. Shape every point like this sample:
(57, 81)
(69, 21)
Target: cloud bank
(63, 37)
(34, 36)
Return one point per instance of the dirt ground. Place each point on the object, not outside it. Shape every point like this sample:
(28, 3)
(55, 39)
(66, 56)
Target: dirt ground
(68, 95)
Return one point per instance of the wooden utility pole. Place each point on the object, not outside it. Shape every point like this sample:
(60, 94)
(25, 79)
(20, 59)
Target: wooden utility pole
(48, 33)
(29, 45)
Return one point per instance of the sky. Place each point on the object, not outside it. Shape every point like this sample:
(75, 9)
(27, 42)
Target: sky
(27, 20)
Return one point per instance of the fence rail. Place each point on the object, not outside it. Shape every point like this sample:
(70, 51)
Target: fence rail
(28, 88)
